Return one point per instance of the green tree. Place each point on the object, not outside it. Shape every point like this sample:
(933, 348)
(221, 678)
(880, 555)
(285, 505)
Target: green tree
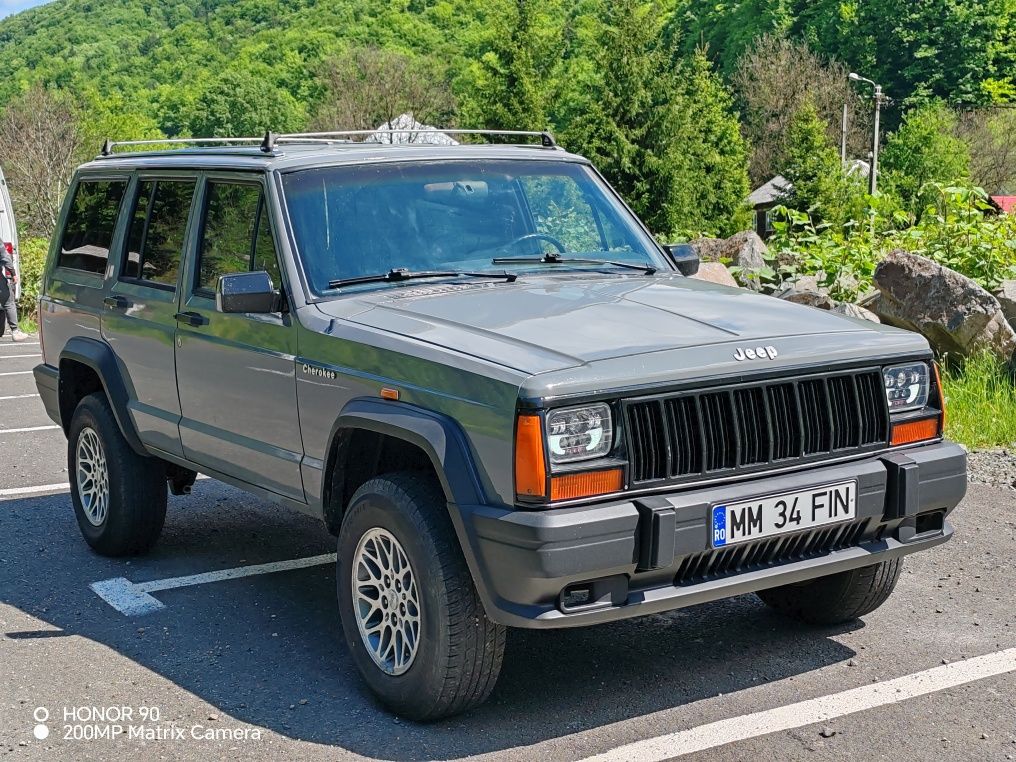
(627, 114)
(507, 86)
(241, 104)
(925, 149)
(816, 175)
(712, 175)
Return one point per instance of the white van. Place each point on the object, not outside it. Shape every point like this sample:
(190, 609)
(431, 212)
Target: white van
(8, 230)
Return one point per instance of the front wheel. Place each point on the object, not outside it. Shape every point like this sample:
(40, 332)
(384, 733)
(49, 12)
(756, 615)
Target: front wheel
(411, 616)
(837, 598)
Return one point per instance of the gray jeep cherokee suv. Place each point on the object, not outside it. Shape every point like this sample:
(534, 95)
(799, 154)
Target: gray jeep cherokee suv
(476, 366)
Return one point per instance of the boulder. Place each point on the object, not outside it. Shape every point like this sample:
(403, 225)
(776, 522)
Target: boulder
(955, 314)
(806, 289)
(1006, 295)
(714, 272)
(855, 311)
(744, 250)
(807, 297)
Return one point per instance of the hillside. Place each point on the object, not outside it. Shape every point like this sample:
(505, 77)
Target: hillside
(156, 58)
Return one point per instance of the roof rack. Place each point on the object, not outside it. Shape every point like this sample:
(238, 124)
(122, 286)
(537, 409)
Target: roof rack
(271, 140)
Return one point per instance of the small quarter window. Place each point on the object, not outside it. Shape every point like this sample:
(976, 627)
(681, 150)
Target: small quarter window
(236, 235)
(158, 230)
(90, 225)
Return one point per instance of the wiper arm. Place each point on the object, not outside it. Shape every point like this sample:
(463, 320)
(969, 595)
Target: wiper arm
(553, 259)
(399, 274)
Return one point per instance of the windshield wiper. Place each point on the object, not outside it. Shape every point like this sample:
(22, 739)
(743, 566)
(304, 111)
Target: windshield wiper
(401, 273)
(554, 259)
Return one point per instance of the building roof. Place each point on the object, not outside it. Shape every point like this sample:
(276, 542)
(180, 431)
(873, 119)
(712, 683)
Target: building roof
(772, 192)
(1005, 204)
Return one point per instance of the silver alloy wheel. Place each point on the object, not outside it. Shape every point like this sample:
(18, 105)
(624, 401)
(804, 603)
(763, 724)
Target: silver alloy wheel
(92, 476)
(385, 601)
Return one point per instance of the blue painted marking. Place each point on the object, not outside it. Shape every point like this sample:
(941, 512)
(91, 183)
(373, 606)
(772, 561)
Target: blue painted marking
(719, 526)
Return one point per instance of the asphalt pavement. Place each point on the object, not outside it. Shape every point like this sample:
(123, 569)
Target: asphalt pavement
(253, 667)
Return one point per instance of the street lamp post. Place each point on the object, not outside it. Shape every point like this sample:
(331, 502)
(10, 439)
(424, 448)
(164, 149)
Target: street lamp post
(873, 174)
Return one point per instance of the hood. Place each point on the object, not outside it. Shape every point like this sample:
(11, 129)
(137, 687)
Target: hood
(541, 324)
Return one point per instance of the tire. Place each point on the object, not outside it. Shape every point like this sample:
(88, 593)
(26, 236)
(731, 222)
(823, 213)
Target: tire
(130, 519)
(458, 651)
(837, 598)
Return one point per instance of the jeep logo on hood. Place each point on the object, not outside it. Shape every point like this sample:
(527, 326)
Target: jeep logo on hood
(755, 353)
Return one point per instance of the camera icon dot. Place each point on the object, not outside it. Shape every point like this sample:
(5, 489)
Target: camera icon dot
(41, 732)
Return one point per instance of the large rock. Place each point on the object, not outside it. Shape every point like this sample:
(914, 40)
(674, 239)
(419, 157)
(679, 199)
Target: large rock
(743, 250)
(714, 272)
(855, 311)
(955, 314)
(806, 290)
(1006, 295)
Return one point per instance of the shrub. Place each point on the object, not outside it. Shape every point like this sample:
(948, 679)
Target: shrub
(32, 263)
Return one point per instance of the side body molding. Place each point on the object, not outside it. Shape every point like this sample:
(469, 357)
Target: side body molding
(98, 356)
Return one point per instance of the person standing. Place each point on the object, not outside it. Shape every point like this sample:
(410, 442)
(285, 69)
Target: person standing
(8, 305)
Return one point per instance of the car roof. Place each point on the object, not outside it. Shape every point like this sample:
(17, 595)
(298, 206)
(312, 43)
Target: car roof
(294, 156)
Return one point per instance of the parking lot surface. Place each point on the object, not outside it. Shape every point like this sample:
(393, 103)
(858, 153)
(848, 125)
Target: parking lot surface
(252, 667)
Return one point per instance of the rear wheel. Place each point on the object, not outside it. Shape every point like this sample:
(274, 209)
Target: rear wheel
(119, 496)
(411, 616)
(836, 598)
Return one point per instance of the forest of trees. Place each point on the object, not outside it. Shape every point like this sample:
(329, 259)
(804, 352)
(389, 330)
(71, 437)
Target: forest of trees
(684, 104)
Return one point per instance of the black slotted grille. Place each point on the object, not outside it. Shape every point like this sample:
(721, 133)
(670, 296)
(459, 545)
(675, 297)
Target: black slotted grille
(736, 559)
(709, 432)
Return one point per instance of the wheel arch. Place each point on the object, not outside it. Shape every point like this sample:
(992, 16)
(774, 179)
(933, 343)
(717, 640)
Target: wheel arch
(87, 366)
(369, 433)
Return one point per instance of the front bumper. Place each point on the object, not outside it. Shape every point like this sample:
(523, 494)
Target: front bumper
(583, 565)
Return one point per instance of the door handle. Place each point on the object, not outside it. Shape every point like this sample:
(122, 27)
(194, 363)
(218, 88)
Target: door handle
(193, 319)
(116, 302)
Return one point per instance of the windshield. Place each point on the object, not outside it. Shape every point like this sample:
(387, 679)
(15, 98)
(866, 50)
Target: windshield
(350, 222)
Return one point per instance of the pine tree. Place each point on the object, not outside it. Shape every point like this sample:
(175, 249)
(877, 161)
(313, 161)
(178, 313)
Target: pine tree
(712, 181)
(624, 126)
(507, 87)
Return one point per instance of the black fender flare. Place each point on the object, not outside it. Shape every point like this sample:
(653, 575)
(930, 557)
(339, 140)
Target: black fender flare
(98, 356)
(440, 437)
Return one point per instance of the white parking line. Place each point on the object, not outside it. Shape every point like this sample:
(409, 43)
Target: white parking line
(132, 599)
(18, 397)
(17, 373)
(20, 344)
(15, 357)
(11, 492)
(28, 429)
(814, 710)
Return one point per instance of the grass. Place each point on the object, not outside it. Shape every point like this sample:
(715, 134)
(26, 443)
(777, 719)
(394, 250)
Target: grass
(981, 403)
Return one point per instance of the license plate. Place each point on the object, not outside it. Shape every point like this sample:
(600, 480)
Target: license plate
(763, 517)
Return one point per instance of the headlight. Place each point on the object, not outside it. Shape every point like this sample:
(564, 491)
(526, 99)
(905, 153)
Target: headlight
(906, 386)
(579, 433)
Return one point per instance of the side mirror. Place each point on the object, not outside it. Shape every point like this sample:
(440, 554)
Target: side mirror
(684, 256)
(247, 292)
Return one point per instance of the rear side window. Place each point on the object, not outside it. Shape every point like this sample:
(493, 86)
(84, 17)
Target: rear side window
(236, 235)
(90, 224)
(158, 229)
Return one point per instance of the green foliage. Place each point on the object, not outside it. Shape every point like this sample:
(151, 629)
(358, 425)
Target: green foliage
(507, 87)
(31, 265)
(981, 402)
(712, 157)
(812, 166)
(242, 104)
(924, 150)
(954, 231)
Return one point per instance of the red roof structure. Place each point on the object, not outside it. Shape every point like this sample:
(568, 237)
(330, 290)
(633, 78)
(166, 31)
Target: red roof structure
(1006, 204)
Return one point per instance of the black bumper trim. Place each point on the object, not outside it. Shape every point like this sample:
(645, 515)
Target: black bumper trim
(524, 559)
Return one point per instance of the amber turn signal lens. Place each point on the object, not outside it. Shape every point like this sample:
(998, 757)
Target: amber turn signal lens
(588, 484)
(941, 392)
(915, 431)
(530, 467)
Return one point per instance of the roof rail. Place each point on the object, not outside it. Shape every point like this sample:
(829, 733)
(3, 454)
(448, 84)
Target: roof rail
(271, 140)
(110, 146)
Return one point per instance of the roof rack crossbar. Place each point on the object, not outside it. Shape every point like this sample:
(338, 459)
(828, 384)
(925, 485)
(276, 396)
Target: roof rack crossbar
(270, 140)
